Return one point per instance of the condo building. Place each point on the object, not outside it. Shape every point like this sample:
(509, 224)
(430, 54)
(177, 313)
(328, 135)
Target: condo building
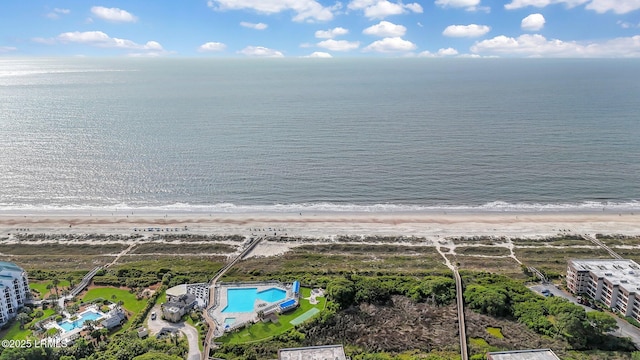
(616, 283)
(14, 290)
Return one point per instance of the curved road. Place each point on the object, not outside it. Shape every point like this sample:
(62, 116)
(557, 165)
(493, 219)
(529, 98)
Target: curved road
(189, 331)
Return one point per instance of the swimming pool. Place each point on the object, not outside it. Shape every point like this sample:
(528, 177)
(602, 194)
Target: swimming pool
(243, 299)
(79, 323)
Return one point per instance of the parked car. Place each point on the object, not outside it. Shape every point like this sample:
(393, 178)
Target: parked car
(153, 315)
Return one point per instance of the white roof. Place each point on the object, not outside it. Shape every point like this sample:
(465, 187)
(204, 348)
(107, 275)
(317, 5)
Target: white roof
(329, 352)
(623, 272)
(537, 354)
(177, 290)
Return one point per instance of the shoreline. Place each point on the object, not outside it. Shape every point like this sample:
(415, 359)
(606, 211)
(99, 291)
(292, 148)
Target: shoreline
(329, 224)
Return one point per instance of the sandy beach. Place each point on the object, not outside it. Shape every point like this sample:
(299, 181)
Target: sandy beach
(328, 225)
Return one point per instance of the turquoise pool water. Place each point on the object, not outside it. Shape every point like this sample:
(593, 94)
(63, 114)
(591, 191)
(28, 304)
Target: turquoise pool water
(87, 315)
(243, 299)
(229, 321)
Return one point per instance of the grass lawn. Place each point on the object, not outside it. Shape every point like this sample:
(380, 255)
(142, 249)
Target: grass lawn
(14, 332)
(41, 287)
(130, 302)
(262, 331)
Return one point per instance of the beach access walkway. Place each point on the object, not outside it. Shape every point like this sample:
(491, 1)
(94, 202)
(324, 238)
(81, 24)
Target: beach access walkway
(212, 288)
(595, 240)
(462, 328)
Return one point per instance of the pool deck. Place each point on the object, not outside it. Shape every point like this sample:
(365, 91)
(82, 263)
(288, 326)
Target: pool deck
(221, 302)
(63, 334)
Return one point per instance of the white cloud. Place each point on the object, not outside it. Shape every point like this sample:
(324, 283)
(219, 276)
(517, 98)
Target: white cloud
(55, 14)
(6, 49)
(617, 6)
(390, 44)
(339, 45)
(212, 47)
(102, 40)
(533, 22)
(258, 26)
(379, 9)
(331, 33)
(415, 7)
(627, 25)
(319, 55)
(469, 5)
(113, 14)
(306, 10)
(517, 4)
(385, 29)
(538, 46)
(599, 6)
(260, 51)
(471, 30)
(441, 53)
(447, 52)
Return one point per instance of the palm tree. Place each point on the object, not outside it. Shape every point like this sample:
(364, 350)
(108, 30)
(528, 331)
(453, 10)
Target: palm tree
(70, 280)
(23, 319)
(89, 324)
(55, 282)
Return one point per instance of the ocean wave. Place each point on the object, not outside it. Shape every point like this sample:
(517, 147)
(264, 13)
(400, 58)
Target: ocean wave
(321, 207)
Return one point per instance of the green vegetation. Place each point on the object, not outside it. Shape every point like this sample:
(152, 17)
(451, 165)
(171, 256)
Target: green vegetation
(384, 301)
(316, 265)
(353, 290)
(507, 266)
(495, 332)
(45, 289)
(408, 355)
(60, 248)
(483, 250)
(143, 272)
(265, 330)
(17, 332)
(130, 302)
(479, 346)
(154, 355)
(174, 249)
(500, 296)
(554, 260)
(560, 240)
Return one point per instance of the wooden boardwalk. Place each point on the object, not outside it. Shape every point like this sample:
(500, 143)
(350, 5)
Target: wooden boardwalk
(212, 285)
(464, 352)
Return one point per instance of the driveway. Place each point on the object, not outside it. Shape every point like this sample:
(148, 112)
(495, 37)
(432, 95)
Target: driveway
(189, 331)
(624, 328)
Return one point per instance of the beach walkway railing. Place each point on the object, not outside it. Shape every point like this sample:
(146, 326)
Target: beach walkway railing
(86, 280)
(461, 323)
(594, 240)
(207, 315)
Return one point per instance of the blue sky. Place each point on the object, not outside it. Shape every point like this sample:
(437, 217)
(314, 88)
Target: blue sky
(319, 28)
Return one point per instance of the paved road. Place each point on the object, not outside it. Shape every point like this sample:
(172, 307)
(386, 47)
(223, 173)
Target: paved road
(624, 328)
(189, 331)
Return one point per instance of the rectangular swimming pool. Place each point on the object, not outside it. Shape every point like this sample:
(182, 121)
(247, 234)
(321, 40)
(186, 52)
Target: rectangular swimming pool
(243, 299)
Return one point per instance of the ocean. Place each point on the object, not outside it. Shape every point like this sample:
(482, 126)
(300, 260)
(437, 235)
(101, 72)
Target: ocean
(246, 135)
